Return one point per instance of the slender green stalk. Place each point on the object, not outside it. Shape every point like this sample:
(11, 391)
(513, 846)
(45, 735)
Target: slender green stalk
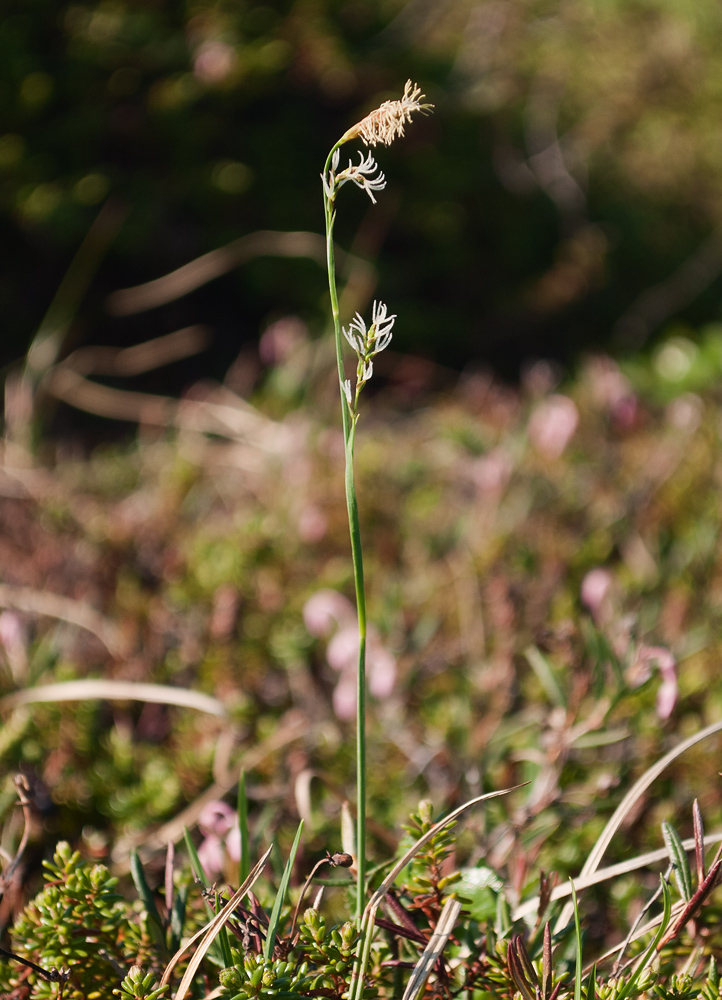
(382, 125)
(578, 943)
(349, 433)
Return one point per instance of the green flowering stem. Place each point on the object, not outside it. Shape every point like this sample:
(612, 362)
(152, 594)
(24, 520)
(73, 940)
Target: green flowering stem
(349, 433)
(382, 125)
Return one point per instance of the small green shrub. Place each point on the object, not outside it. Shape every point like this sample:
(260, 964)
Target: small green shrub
(79, 923)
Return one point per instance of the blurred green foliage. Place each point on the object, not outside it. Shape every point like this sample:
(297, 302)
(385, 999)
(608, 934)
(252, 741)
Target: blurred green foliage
(488, 518)
(573, 162)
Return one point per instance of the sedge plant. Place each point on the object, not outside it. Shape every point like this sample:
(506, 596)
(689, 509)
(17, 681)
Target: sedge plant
(382, 125)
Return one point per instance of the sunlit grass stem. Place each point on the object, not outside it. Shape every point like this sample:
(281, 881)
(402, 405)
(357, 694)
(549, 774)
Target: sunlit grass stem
(349, 434)
(382, 125)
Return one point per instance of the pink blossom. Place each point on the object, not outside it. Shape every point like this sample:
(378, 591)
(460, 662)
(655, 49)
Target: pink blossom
(342, 650)
(214, 61)
(344, 697)
(612, 392)
(595, 589)
(219, 823)
(281, 339)
(233, 843)
(685, 412)
(381, 666)
(540, 377)
(342, 655)
(326, 611)
(492, 471)
(211, 855)
(312, 524)
(552, 426)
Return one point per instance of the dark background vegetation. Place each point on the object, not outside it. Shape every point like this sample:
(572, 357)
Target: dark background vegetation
(572, 164)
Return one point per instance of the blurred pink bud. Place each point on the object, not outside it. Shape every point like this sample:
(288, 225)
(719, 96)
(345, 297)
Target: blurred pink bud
(281, 339)
(220, 825)
(233, 844)
(595, 591)
(685, 413)
(214, 61)
(342, 655)
(612, 391)
(667, 697)
(625, 412)
(381, 666)
(216, 818)
(540, 377)
(342, 650)
(312, 524)
(493, 471)
(326, 609)
(211, 855)
(344, 697)
(552, 426)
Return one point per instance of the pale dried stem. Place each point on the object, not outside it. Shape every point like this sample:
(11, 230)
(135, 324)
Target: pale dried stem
(110, 690)
(46, 604)
(198, 272)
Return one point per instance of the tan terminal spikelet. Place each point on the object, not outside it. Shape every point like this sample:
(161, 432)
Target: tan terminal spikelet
(387, 121)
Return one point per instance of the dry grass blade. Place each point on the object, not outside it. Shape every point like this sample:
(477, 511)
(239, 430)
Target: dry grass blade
(48, 340)
(698, 841)
(235, 419)
(624, 807)
(141, 358)
(210, 932)
(42, 602)
(604, 874)
(72, 388)
(185, 279)
(108, 690)
(432, 951)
